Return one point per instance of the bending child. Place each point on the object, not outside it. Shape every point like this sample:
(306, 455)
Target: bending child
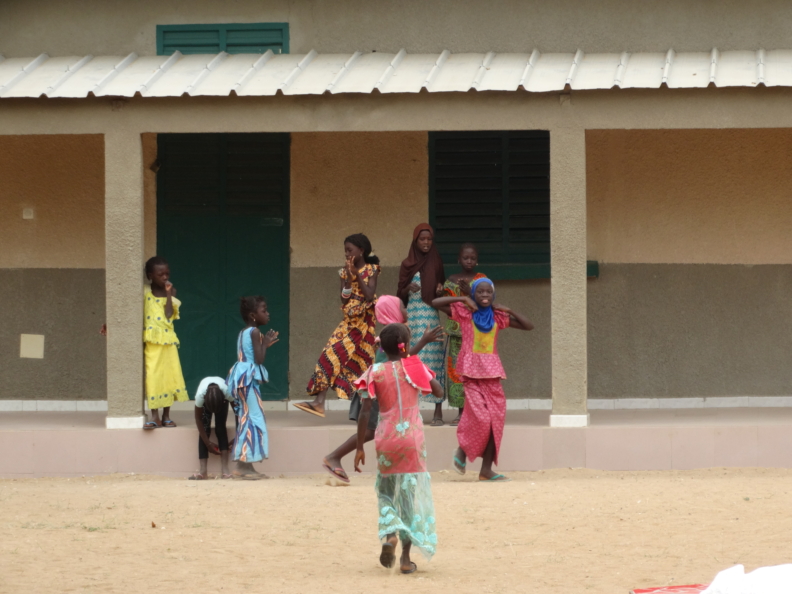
(403, 485)
(389, 310)
(247, 374)
(481, 428)
(211, 399)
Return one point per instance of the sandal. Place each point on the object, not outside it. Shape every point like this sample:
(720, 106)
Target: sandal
(149, 425)
(388, 554)
(338, 473)
(437, 422)
(498, 478)
(455, 422)
(196, 477)
(226, 476)
(458, 465)
(306, 407)
(413, 568)
(168, 423)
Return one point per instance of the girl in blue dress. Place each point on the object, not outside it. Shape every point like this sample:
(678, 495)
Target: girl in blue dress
(251, 444)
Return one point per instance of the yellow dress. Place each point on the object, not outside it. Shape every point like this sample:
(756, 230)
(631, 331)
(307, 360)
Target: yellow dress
(164, 378)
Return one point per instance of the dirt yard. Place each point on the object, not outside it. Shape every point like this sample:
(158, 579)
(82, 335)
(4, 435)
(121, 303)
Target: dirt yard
(564, 532)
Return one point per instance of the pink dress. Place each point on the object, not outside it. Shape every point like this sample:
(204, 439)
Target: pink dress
(403, 486)
(481, 370)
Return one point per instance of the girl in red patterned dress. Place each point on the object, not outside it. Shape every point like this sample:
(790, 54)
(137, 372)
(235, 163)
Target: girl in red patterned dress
(480, 319)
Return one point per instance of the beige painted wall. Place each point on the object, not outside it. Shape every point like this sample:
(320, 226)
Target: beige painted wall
(343, 183)
(149, 142)
(61, 177)
(108, 28)
(690, 196)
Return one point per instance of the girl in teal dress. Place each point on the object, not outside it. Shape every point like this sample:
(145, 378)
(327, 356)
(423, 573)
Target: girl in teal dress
(251, 444)
(421, 279)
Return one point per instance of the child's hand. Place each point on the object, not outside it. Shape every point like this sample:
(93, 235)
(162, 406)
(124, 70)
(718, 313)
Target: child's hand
(414, 288)
(103, 330)
(503, 308)
(269, 338)
(169, 288)
(213, 448)
(350, 266)
(464, 287)
(360, 458)
(435, 334)
(439, 290)
(470, 303)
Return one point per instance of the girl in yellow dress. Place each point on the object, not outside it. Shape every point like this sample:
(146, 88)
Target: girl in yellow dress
(164, 379)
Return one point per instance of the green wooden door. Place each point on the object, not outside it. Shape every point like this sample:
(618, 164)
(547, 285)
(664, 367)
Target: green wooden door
(223, 225)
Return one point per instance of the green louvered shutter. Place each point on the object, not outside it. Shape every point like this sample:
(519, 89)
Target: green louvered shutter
(234, 38)
(492, 188)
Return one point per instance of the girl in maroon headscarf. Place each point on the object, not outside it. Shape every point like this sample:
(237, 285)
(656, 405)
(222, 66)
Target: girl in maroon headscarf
(421, 279)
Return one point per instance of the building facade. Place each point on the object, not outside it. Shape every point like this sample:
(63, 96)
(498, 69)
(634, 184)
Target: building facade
(666, 229)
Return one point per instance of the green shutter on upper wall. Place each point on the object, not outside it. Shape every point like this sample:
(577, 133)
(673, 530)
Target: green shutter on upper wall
(234, 38)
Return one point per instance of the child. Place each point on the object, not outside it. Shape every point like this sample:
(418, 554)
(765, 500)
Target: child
(458, 285)
(390, 310)
(212, 398)
(350, 350)
(164, 379)
(251, 444)
(403, 486)
(481, 428)
(421, 279)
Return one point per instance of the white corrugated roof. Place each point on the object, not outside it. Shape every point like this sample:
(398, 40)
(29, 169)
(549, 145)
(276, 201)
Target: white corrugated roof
(314, 74)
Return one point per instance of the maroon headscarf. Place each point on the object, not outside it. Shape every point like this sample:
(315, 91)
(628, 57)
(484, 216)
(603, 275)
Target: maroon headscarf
(430, 265)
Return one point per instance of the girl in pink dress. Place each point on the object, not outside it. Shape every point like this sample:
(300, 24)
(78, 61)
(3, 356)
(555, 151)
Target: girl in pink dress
(480, 320)
(403, 486)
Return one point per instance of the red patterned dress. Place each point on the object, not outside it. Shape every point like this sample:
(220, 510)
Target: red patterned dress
(481, 370)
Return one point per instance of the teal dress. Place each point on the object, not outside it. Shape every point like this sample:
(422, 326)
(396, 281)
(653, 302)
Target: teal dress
(419, 316)
(244, 379)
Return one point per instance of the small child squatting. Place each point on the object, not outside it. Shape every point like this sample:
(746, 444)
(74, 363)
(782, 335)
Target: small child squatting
(403, 485)
(480, 430)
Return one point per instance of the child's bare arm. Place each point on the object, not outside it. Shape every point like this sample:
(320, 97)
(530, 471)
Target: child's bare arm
(444, 303)
(363, 420)
(516, 320)
(437, 389)
(261, 342)
(435, 334)
(213, 447)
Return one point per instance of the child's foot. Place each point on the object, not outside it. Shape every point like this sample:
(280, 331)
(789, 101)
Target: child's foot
(407, 566)
(245, 470)
(148, 425)
(388, 554)
(333, 466)
(198, 477)
(313, 408)
(455, 422)
(494, 477)
(437, 422)
(168, 423)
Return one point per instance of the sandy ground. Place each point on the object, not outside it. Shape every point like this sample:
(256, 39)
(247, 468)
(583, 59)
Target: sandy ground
(566, 531)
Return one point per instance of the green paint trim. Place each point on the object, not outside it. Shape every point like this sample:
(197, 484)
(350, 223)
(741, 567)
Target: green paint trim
(529, 271)
(222, 29)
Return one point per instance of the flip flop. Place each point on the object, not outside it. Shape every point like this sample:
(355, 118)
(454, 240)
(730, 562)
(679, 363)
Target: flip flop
(498, 478)
(335, 472)
(455, 422)
(226, 476)
(413, 568)
(306, 407)
(168, 423)
(388, 555)
(437, 422)
(196, 477)
(149, 425)
(458, 465)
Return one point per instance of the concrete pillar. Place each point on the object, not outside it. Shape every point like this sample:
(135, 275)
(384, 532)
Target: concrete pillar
(568, 282)
(124, 278)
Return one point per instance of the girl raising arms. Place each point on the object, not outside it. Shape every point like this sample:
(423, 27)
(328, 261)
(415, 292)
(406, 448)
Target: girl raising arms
(350, 350)
(421, 279)
(480, 320)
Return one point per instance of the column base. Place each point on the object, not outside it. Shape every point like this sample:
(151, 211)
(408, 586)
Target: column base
(135, 422)
(569, 420)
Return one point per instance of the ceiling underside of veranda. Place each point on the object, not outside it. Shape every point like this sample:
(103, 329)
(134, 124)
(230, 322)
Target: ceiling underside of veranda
(314, 74)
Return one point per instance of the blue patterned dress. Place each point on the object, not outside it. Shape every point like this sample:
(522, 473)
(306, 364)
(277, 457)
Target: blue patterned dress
(420, 315)
(252, 442)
